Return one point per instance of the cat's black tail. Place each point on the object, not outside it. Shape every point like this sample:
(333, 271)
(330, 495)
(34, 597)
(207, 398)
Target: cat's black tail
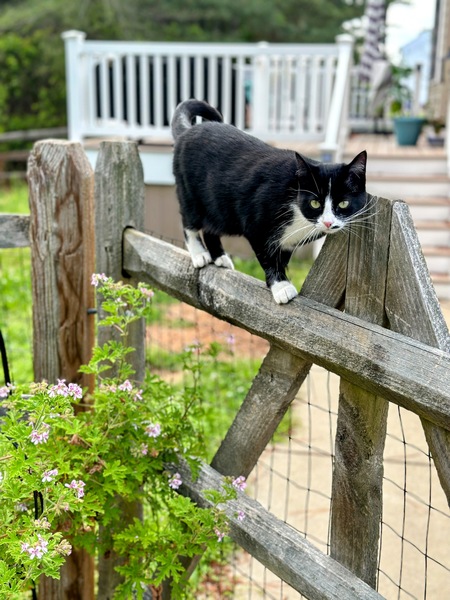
(187, 110)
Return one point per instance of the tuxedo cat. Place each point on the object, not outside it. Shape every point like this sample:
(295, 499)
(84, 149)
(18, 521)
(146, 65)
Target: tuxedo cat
(231, 183)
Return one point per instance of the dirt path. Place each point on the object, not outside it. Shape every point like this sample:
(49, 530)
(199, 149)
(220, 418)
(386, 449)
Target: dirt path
(293, 476)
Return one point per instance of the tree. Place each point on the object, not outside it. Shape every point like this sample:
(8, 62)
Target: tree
(32, 82)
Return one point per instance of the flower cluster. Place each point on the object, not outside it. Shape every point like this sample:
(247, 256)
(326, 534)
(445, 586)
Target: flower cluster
(146, 292)
(98, 278)
(77, 486)
(61, 389)
(175, 481)
(5, 390)
(49, 475)
(240, 483)
(153, 430)
(40, 435)
(220, 534)
(36, 550)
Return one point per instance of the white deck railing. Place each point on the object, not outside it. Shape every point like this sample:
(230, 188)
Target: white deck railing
(274, 91)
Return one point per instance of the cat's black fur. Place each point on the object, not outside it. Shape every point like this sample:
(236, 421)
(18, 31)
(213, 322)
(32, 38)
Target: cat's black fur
(231, 183)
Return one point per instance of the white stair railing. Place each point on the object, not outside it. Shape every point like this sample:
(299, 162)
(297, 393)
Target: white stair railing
(275, 91)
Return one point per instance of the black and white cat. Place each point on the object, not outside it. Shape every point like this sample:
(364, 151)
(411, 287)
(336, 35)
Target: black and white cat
(231, 183)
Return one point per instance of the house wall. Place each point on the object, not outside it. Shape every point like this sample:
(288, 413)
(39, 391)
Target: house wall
(440, 81)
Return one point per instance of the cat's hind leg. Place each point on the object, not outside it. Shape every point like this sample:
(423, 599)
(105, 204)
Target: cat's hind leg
(218, 254)
(199, 254)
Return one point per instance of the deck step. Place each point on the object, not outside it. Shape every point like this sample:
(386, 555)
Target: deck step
(439, 225)
(436, 251)
(404, 186)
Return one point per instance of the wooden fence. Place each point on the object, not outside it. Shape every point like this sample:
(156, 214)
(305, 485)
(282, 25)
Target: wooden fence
(367, 312)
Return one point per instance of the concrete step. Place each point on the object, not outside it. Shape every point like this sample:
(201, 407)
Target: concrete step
(425, 209)
(433, 233)
(378, 165)
(441, 283)
(402, 186)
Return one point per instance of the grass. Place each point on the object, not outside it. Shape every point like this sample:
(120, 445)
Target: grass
(222, 379)
(15, 292)
(15, 296)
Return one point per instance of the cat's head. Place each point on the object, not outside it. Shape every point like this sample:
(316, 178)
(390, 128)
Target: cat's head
(332, 195)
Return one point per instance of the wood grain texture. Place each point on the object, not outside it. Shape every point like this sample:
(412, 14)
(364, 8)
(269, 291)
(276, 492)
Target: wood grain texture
(411, 303)
(326, 279)
(61, 237)
(357, 494)
(119, 203)
(402, 370)
(278, 546)
(14, 231)
(268, 399)
(413, 309)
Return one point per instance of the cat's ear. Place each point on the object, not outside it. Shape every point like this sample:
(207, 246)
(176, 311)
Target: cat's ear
(358, 164)
(303, 163)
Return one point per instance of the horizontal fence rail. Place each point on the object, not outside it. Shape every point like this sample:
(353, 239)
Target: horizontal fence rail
(275, 91)
(278, 546)
(376, 359)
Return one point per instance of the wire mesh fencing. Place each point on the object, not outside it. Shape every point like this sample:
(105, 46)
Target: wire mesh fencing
(293, 476)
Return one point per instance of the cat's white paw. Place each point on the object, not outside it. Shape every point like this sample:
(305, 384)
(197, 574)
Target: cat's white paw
(201, 259)
(224, 261)
(283, 292)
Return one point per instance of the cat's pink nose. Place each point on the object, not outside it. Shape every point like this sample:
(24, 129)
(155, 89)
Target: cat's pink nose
(328, 224)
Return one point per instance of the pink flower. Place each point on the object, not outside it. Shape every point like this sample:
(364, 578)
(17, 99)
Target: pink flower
(220, 534)
(77, 486)
(40, 436)
(6, 390)
(231, 340)
(49, 475)
(146, 292)
(240, 515)
(239, 483)
(75, 391)
(153, 430)
(64, 548)
(144, 449)
(175, 481)
(37, 550)
(98, 278)
(60, 389)
(126, 386)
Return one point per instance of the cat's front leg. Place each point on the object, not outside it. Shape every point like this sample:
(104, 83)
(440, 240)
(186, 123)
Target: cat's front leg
(283, 291)
(274, 265)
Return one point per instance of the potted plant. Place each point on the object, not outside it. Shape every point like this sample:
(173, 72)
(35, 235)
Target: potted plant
(407, 126)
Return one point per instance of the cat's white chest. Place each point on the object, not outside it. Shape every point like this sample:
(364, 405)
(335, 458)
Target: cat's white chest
(297, 231)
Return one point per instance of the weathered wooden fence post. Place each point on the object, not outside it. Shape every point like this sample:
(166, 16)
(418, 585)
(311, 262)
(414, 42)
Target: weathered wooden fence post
(61, 188)
(361, 425)
(119, 203)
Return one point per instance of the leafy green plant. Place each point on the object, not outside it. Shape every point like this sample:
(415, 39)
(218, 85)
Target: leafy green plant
(61, 473)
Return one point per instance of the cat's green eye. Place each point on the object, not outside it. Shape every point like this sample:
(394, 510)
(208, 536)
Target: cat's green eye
(314, 203)
(344, 204)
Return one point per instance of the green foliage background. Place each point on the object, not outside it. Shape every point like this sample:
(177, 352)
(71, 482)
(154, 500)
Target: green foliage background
(32, 79)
